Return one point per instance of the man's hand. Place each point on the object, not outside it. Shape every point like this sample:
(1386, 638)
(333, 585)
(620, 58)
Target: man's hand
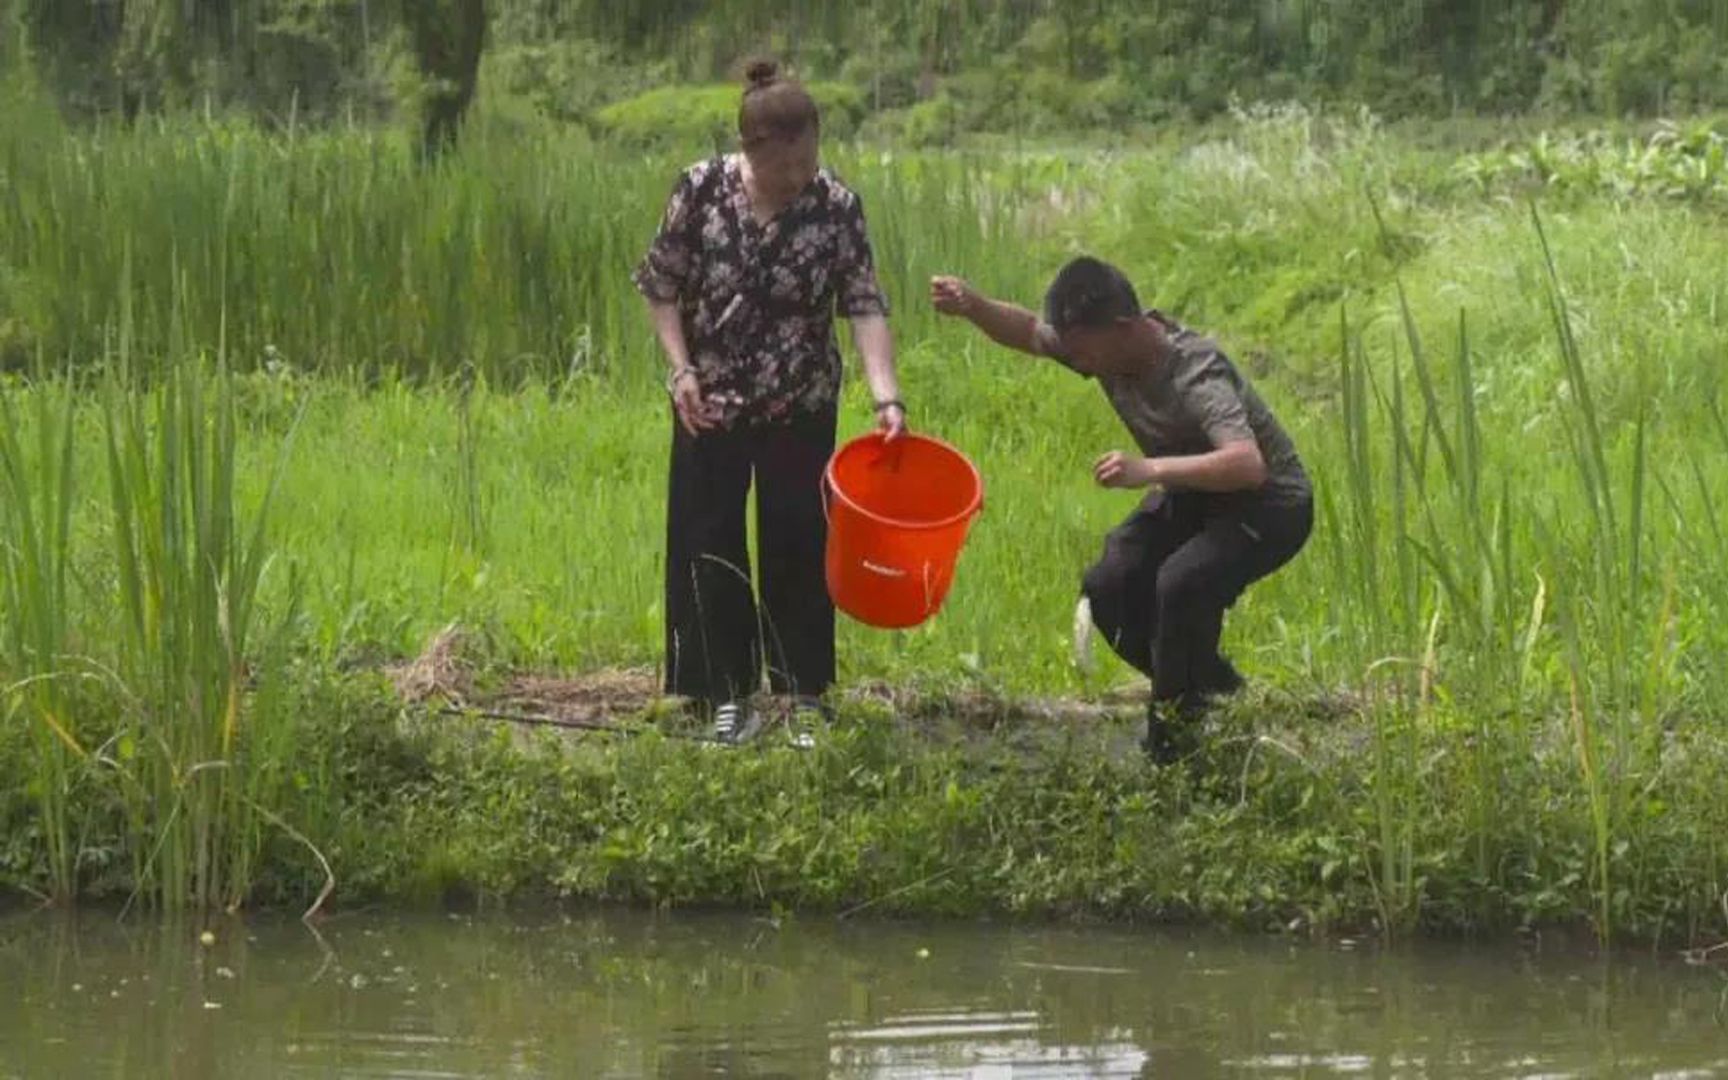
(1005, 324)
(953, 296)
(1119, 470)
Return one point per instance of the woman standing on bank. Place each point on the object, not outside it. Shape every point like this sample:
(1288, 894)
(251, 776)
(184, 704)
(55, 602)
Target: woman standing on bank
(755, 255)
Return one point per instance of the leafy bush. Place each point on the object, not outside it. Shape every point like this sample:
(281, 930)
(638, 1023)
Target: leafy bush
(1671, 163)
(566, 79)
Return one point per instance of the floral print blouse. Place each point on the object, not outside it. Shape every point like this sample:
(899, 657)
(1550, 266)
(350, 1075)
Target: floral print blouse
(758, 301)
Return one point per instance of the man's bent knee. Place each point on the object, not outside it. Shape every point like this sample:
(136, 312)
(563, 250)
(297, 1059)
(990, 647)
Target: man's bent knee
(1183, 587)
(1104, 582)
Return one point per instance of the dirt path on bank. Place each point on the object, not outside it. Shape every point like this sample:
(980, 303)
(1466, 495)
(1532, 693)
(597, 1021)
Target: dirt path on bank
(629, 700)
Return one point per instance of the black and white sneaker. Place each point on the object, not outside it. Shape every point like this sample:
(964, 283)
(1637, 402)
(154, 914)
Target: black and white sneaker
(735, 724)
(808, 715)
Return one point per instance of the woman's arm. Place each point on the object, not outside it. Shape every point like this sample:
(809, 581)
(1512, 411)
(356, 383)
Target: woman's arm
(662, 276)
(861, 300)
(876, 345)
(681, 380)
(669, 328)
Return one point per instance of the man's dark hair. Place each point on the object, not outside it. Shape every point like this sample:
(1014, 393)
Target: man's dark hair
(1089, 292)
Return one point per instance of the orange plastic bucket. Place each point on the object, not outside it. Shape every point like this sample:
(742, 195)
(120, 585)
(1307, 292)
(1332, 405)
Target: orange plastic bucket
(898, 516)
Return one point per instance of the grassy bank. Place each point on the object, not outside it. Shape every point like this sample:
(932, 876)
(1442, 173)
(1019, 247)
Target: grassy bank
(441, 404)
(1283, 824)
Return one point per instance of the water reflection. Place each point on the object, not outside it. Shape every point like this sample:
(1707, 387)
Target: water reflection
(628, 995)
(975, 1044)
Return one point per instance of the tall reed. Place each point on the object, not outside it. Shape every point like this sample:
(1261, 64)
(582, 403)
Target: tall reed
(38, 492)
(206, 738)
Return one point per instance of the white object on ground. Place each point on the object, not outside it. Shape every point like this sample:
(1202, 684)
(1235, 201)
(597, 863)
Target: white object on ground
(1083, 627)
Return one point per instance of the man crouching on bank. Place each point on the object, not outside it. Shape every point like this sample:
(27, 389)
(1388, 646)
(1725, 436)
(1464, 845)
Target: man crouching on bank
(1228, 501)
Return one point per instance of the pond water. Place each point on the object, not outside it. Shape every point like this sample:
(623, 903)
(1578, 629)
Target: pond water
(627, 994)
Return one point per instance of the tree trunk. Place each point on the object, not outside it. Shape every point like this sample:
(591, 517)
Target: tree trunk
(449, 37)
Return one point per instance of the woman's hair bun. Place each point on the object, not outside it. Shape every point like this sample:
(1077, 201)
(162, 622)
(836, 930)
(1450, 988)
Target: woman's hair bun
(761, 73)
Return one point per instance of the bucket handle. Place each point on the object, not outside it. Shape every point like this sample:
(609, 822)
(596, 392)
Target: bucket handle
(828, 497)
(878, 568)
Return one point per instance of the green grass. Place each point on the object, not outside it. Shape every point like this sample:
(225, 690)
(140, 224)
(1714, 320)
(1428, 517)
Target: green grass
(1513, 420)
